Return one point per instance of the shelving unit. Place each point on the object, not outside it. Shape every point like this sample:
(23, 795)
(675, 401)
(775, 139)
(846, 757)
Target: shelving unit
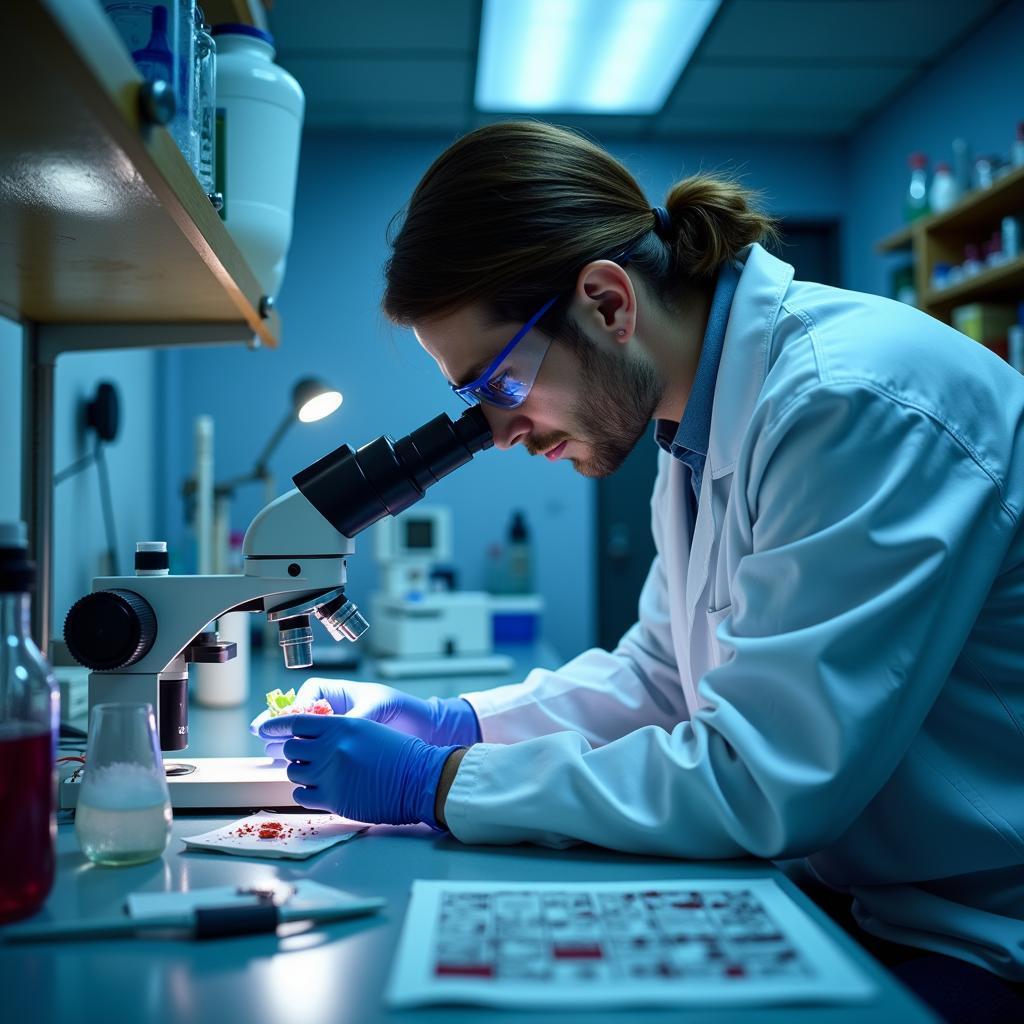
(107, 239)
(941, 238)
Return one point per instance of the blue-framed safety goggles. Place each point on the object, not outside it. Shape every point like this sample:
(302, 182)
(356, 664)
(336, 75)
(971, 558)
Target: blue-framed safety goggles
(507, 381)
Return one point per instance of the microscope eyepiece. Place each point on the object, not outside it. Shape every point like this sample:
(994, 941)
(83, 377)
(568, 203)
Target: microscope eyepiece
(353, 489)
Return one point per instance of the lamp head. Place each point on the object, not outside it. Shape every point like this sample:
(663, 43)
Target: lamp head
(313, 399)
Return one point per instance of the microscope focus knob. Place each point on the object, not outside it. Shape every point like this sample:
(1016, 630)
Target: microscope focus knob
(110, 629)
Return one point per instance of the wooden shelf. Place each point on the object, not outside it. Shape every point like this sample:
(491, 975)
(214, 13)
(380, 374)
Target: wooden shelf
(1002, 282)
(979, 210)
(941, 238)
(101, 219)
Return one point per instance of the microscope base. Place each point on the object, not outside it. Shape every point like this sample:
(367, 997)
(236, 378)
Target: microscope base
(218, 783)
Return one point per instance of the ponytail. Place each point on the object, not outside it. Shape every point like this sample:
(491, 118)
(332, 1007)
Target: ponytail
(711, 220)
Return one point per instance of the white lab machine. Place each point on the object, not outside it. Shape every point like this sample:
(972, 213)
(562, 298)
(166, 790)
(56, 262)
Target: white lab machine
(138, 634)
(420, 627)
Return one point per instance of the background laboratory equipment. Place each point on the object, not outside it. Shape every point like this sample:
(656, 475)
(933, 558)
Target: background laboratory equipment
(261, 107)
(422, 625)
(124, 810)
(29, 719)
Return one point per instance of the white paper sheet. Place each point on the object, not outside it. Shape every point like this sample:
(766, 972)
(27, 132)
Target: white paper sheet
(660, 943)
(302, 835)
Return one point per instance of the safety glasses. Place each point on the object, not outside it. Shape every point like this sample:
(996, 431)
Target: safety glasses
(507, 381)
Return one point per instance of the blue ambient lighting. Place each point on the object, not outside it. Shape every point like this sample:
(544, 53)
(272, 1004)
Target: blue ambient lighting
(585, 56)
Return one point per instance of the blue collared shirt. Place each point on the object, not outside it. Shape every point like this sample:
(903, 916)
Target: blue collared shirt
(687, 440)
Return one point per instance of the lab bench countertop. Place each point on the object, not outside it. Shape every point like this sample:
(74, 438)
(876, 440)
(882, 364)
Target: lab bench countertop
(336, 973)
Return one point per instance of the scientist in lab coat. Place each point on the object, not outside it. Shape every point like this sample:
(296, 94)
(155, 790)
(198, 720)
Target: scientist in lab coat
(828, 664)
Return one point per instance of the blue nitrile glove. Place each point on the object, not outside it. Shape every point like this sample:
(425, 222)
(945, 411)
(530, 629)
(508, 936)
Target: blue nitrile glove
(360, 769)
(437, 720)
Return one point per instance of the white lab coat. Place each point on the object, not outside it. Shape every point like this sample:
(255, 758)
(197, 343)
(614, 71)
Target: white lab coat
(834, 670)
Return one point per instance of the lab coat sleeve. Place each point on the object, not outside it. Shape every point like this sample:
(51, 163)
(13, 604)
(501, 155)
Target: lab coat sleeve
(872, 535)
(600, 695)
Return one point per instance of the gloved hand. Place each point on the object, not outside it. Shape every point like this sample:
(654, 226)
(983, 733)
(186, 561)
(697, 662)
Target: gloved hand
(436, 720)
(360, 769)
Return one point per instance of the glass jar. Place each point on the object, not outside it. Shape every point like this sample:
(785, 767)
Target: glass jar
(205, 129)
(161, 40)
(29, 724)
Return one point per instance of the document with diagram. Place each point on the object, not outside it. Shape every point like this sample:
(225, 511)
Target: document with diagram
(611, 944)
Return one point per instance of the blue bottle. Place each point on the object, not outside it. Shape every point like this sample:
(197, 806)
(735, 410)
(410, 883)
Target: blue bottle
(155, 60)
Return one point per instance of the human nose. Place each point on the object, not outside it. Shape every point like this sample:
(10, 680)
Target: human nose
(509, 427)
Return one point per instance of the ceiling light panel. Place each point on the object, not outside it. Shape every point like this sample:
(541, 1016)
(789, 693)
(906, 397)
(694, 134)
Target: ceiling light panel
(585, 56)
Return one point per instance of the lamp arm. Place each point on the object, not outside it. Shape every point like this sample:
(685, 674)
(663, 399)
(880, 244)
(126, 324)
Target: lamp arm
(227, 488)
(260, 469)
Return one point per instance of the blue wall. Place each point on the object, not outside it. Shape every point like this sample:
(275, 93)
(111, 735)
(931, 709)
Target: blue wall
(349, 188)
(976, 93)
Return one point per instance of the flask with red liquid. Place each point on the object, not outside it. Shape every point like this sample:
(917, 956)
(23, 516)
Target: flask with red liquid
(29, 723)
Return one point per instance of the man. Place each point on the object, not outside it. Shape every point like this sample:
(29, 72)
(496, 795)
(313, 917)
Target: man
(827, 662)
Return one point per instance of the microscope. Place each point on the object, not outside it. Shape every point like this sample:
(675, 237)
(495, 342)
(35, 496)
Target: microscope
(138, 634)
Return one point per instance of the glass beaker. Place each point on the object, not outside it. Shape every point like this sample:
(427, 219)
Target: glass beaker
(124, 810)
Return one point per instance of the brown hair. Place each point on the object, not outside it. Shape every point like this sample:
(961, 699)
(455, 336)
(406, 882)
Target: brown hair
(510, 213)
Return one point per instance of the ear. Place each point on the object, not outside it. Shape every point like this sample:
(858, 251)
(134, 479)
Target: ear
(604, 303)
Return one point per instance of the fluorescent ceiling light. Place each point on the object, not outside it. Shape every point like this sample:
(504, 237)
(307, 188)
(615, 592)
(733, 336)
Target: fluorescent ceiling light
(585, 56)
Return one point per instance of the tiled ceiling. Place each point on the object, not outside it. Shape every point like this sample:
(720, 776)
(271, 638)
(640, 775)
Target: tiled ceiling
(798, 68)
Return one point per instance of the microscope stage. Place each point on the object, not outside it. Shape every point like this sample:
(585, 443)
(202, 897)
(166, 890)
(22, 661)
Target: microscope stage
(218, 783)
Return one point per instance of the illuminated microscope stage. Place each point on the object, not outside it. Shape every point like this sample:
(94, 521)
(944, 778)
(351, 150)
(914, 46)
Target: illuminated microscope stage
(218, 783)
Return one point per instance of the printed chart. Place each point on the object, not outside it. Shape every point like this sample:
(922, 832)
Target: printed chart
(613, 944)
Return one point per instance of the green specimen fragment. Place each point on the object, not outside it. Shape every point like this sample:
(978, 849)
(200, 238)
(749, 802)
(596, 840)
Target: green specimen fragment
(279, 702)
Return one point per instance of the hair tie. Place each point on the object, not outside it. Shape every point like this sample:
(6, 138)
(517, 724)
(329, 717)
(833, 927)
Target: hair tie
(662, 222)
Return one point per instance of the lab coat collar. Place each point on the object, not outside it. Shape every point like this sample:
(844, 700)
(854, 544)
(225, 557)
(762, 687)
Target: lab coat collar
(693, 432)
(764, 281)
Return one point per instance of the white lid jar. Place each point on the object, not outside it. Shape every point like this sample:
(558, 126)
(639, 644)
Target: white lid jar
(261, 106)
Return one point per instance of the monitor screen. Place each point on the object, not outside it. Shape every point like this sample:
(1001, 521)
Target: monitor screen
(419, 534)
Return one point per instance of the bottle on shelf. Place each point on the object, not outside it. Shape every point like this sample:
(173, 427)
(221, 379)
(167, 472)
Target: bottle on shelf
(962, 166)
(494, 569)
(260, 110)
(1010, 228)
(29, 724)
(519, 558)
(916, 202)
(161, 40)
(1017, 152)
(1015, 342)
(943, 193)
(972, 263)
(984, 171)
(204, 128)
